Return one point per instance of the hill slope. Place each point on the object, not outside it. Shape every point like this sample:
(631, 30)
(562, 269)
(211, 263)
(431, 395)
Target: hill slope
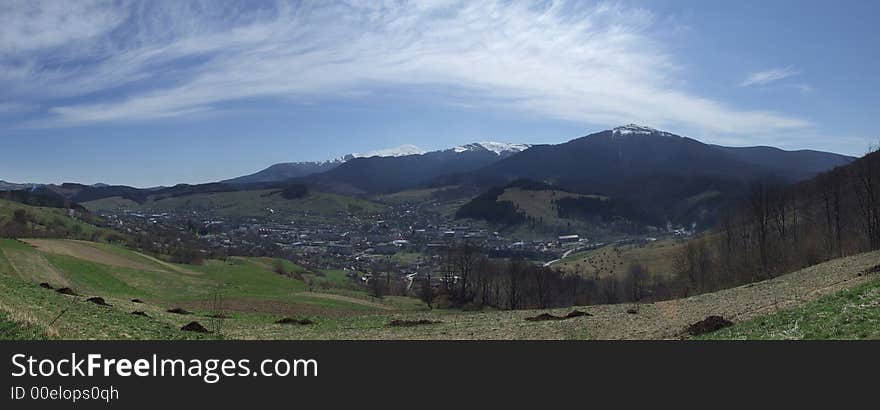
(251, 293)
(288, 170)
(246, 203)
(794, 165)
(254, 297)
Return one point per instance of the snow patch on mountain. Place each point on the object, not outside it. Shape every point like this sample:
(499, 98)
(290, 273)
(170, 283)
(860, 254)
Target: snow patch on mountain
(401, 151)
(639, 129)
(498, 148)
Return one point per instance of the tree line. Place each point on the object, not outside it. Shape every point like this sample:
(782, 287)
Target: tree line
(467, 278)
(778, 229)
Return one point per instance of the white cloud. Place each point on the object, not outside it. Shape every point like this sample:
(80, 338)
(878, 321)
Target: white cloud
(27, 25)
(768, 76)
(566, 60)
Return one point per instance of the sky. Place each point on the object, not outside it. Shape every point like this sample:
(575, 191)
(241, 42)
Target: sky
(148, 93)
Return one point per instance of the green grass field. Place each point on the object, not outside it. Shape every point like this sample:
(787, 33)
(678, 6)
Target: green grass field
(850, 314)
(615, 260)
(540, 204)
(252, 295)
(413, 196)
(13, 330)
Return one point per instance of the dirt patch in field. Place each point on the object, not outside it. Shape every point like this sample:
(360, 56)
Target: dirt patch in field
(194, 327)
(708, 325)
(45, 285)
(292, 321)
(140, 313)
(543, 317)
(98, 301)
(179, 311)
(576, 313)
(410, 323)
(547, 316)
(67, 291)
(84, 250)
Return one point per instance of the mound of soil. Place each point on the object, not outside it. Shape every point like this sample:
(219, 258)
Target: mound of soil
(66, 291)
(179, 311)
(632, 311)
(140, 313)
(98, 301)
(194, 327)
(292, 321)
(137, 301)
(546, 316)
(409, 323)
(45, 285)
(708, 325)
(218, 316)
(576, 313)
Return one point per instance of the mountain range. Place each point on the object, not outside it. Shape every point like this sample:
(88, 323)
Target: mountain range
(647, 168)
(383, 174)
(470, 155)
(672, 177)
(603, 160)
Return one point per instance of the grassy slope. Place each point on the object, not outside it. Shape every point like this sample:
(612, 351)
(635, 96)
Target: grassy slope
(253, 294)
(661, 320)
(31, 309)
(413, 196)
(44, 216)
(248, 282)
(614, 261)
(849, 314)
(248, 203)
(540, 204)
(10, 329)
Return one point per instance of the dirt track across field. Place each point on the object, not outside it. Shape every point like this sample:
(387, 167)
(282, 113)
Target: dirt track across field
(348, 299)
(84, 250)
(92, 253)
(34, 267)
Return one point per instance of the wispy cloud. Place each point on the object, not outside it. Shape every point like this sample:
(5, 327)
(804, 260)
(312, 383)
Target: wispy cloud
(804, 88)
(135, 61)
(768, 76)
(16, 108)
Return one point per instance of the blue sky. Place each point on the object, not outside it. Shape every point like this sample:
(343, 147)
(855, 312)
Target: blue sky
(151, 93)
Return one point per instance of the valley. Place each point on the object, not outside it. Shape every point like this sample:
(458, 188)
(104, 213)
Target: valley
(470, 244)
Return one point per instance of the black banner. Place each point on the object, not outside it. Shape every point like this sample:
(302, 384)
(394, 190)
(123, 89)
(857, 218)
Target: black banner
(231, 374)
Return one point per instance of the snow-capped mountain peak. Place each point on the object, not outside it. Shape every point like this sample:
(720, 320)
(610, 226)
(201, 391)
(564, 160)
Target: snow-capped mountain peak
(400, 151)
(499, 148)
(638, 129)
